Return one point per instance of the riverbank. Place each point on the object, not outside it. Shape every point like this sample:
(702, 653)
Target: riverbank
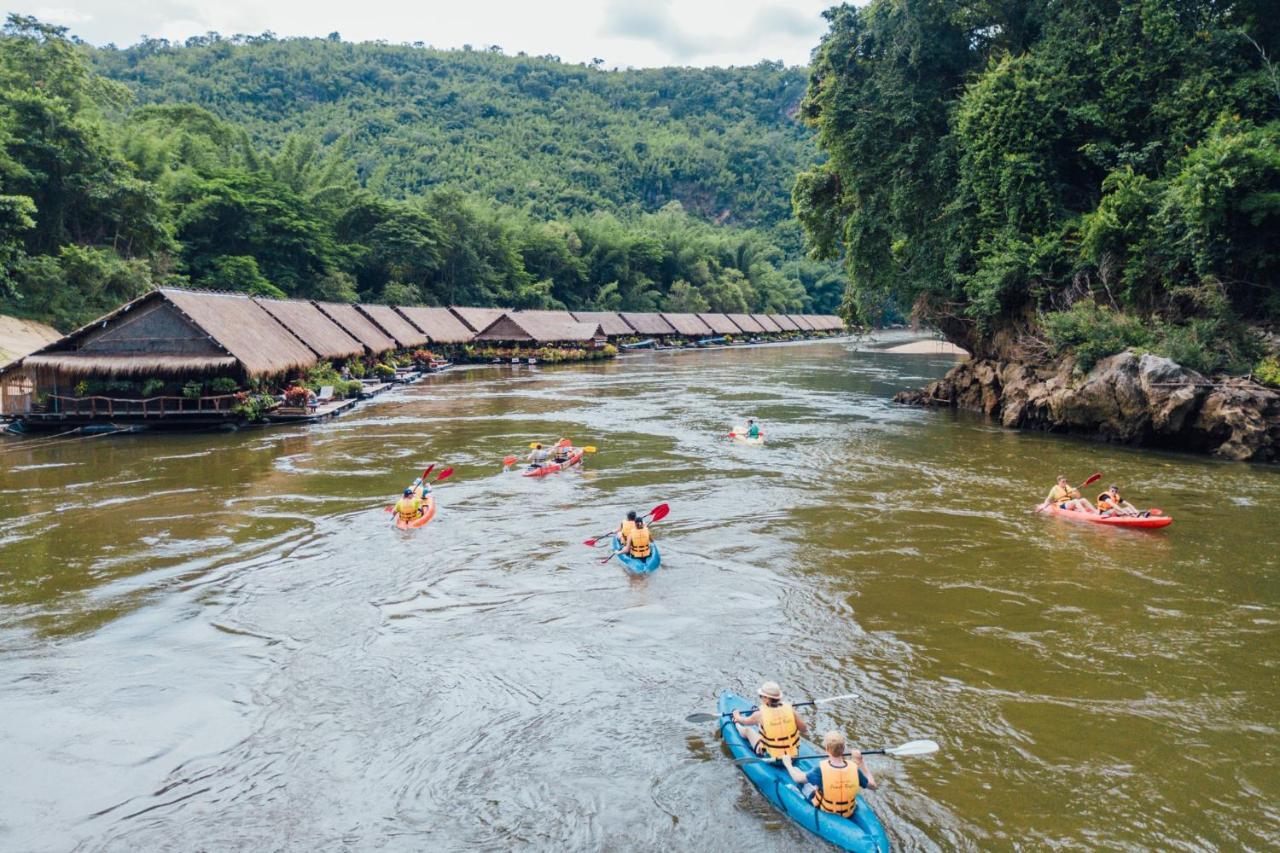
(1142, 400)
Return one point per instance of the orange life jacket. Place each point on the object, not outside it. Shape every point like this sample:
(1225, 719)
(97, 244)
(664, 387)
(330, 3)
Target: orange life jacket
(778, 730)
(839, 791)
(638, 543)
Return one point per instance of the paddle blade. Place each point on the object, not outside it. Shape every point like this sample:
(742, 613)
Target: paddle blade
(508, 460)
(701, 718)
(1093, 478)
(831, 699)
(534, 444)
(589, 449)
(590, 543)
(445, 473)
(428, 471)
(658, 513)
(1154, 511)
(389, 508)
(915, 747)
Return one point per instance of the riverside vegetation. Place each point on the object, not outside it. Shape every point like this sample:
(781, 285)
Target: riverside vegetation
(1086, 196)
(320, 169)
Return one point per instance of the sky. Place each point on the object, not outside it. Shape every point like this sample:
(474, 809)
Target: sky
(636, 33)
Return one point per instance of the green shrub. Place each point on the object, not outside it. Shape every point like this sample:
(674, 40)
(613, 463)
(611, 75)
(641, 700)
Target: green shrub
(1093, 332)
(193, 390)
(384, 371)
(1267, 371)
(152, 387)
(252, 407)
(223, 385)
(351, 388)
(82, 388)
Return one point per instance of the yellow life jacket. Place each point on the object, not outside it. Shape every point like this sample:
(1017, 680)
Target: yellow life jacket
(627, 527)
(839, 792)
(778, 730)
(638, 542)
(1104, 502)
(408, 508)
(1060, 494)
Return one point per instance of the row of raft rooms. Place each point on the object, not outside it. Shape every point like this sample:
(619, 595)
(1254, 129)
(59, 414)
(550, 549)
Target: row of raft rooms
(184, 358)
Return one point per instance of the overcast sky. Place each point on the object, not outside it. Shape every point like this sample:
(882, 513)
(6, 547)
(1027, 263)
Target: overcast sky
(637, 33)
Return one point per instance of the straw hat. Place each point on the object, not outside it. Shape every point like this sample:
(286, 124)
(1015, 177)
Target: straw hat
(771, 690)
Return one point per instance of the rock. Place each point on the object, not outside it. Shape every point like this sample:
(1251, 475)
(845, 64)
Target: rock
(1130, 398)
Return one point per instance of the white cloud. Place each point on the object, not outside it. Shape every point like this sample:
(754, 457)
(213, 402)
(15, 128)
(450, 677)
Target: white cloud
(634, 33)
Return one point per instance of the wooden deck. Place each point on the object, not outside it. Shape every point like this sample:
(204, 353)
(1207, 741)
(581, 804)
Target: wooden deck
(323, 412)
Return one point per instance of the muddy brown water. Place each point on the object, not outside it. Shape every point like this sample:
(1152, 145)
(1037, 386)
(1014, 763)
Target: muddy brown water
(216, 641)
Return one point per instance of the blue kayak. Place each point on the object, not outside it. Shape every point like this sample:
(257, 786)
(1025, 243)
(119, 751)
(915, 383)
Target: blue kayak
(636, 566)
(861, 833)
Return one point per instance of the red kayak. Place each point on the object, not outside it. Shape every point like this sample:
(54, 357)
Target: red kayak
(1149, 522)
(552, 467)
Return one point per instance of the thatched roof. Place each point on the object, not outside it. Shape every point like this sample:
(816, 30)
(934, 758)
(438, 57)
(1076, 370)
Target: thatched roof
(720, 324)
(541, 327)
(401, 330)
(20, 337)
(476, 319)
(358, 326)
(648, 324)
(746, 323)
(438, 324)
(611, 321)
(323, 336)
(832, 322)
(86, 364)
(767, 323)
(688, 324)
(802, 322)
(785, 323)
(239, 326)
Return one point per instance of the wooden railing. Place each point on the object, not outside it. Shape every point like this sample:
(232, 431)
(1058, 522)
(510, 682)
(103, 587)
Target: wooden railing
(151, 407)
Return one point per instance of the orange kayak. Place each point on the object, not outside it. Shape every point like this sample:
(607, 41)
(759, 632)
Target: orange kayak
(1149, 522)
(552, 467)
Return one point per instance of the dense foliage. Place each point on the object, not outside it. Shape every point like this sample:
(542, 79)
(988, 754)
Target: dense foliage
(392, 174)
(997, 163)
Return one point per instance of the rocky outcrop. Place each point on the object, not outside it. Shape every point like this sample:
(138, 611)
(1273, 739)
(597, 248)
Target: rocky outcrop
(1128, 398)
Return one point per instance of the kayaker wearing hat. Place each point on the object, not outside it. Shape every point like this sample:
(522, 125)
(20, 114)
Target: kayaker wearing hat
(637, 542)
(774, 727)
(538, 457)
(1110, 503)
(1067, 497)
(834, 784)
(409, 507)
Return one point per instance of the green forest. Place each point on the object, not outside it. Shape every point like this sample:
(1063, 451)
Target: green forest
(1036, 178)
(320, 169)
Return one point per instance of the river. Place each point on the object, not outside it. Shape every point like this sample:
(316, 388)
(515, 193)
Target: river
(216, 642)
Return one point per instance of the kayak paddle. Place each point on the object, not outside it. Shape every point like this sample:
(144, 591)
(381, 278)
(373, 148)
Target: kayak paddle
(1093, 478)
(659, 512)
(442, 475)
(711, 718)
(915, 747)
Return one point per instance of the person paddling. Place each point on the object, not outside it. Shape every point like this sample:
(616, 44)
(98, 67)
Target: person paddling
(1110, 504)
(637, 542)
(564, 449)
(538, 458)
(833, 785)
(753, 428)
(409, 506)
(1066, 496)
(774, 728)
(627, 526)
